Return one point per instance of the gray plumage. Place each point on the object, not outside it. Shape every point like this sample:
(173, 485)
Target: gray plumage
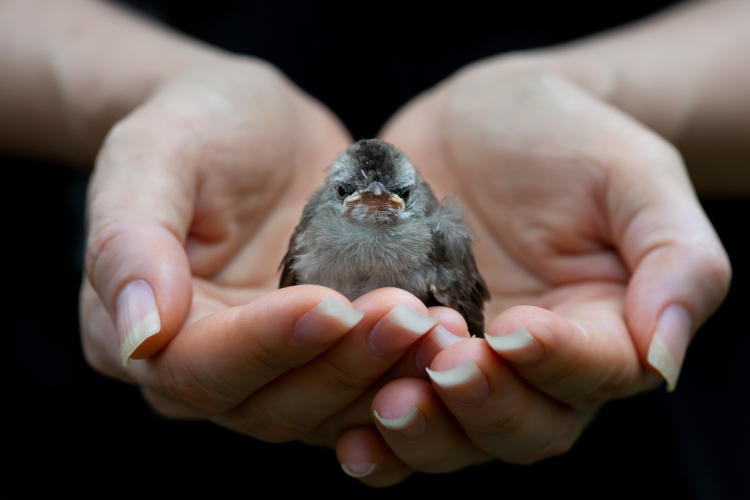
(375, 223)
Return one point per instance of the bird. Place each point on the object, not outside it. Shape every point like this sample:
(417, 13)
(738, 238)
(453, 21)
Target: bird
(375, 223)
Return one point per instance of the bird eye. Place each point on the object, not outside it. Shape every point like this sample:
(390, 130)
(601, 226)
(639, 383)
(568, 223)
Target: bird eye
(404, 193)
(344, 191)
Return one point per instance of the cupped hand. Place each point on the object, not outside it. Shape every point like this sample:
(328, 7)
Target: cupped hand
(207, 179)
(190, 209)
(599, 259)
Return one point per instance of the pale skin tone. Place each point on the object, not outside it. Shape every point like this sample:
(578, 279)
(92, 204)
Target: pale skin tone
(588, 227)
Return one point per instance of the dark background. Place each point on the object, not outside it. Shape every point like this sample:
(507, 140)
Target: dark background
(67, 429)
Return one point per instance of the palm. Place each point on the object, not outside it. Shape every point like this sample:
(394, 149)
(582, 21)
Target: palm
(531, 163)
(247, 149)
(256, 171)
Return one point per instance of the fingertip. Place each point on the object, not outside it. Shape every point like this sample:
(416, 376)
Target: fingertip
(457, 372)
(522, 335)
(519, 347)
(388, 298)
(450, 319)
(439, 338)
(363, 454)
(138, 319)
(325, 323)
(669, 343)
(677, 260)
(420, 430)
(582, 358)
(310, 315)
(397, 407)
(143, 278)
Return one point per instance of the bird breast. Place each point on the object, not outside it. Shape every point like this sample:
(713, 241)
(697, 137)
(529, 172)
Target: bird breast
(354, 258)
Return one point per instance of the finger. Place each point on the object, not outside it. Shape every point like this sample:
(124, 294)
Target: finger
(218, 361)
(419, 429)
(169, 408)
(681, 272)
(580, 353)
(301, 400)
(451, 328)
(499, 413)
(99, 337)
(139, 209)
(364, 455)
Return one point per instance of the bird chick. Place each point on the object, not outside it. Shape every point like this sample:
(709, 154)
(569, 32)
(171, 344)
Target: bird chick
(375, 223)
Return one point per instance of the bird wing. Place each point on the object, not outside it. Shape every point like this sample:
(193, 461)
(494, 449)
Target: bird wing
(457, 283)
(288, 274)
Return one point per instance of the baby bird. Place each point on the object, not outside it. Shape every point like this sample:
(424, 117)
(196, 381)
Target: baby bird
(375, 223)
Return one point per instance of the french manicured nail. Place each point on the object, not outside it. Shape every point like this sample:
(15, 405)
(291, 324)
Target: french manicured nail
(137, 317)
(324, 323)
(359, 470)
(409, 426)
(669, 343)
(398, 329)
(518, 347)
(438, 339)
(465, 384)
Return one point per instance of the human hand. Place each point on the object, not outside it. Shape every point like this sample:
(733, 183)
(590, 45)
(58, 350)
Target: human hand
(600, 262)
(190, 209)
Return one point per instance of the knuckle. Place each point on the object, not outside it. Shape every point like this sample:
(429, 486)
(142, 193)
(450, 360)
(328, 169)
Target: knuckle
(181, 384)
(104, 244)
(158, 407)
(560, 443)
(614, 379)
(98, 337)
(265, 355)
(509, 422)
(343, 381)
(165, 407)
(437, 462)
(164, 134)
(263, 422)
(718, 270)
(96, 357)
(320, 438)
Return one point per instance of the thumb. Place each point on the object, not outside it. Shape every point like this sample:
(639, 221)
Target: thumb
(139, 210)
(681, 272)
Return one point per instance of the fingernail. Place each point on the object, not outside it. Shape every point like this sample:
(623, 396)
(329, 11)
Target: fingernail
(669, 343)
(359, 470)
(517, 347)
(438, 339)
(137, 317)
(409, 426)
(324, 323)
(465, 384)
(399, 329)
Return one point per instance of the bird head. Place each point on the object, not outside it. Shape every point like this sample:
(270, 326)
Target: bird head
(374, 183)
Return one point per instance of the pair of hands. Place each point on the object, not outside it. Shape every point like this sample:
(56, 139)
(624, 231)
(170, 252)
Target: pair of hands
(589, 236)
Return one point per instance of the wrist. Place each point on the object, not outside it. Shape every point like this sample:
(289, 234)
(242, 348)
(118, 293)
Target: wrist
(113, 68)
(76, 67)
(607, 78)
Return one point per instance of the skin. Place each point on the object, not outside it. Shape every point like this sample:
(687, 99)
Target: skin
(195, 191)
(590, 279)
(589, 282)
(574, 275)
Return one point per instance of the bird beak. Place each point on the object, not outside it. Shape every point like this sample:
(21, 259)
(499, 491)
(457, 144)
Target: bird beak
(375, 194)
(396, 200)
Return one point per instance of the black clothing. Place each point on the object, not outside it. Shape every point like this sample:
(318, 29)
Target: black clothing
(69, 429)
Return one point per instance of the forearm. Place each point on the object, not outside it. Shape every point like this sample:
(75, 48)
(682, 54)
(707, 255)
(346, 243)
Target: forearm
(69, 69)
(686, 74)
